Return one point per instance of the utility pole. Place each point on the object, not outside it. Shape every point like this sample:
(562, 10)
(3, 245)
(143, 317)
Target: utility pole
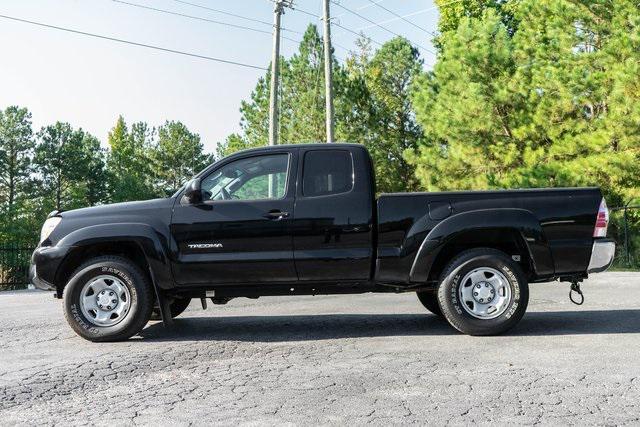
(278, 10)
(278, 7)
(328, 76)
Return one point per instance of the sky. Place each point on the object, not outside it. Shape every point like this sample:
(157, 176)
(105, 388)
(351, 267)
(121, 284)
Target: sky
(89, 82)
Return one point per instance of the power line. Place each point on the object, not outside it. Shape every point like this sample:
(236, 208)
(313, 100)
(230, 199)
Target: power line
(364, 18)
(316, 16)
(303, 11)
(373, 3)
(339, 26)
(410, 15)
(148, 46)
(297, 9)
(378, 25)
(223, 12)
(355, 33)
(233, 14)
(365, 6)
(199, 18)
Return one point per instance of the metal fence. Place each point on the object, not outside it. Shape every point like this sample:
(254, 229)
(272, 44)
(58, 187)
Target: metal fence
(624, 227)
(14, 264)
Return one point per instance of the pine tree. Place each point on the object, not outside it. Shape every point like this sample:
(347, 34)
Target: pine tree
(129, 162)
(389, 77)
(70, 167)
(301, 101)
(177, 157)
(16, 150)
(551, 102)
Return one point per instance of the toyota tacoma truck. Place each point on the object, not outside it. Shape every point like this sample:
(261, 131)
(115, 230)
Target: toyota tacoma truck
(305, 220)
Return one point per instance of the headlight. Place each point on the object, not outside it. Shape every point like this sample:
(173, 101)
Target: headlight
(48, 227)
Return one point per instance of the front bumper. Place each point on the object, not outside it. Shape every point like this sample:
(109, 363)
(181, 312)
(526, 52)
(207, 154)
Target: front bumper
(44, 265)
(38, 282)
(602, 255)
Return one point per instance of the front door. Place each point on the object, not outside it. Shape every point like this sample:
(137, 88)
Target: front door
(241, 231)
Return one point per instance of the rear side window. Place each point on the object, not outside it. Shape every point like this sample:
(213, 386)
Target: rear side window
(327, 172)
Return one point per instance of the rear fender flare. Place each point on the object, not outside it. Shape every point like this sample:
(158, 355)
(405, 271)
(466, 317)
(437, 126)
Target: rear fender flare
(521, 221)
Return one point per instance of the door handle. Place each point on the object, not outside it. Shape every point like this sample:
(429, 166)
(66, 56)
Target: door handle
(276, 215)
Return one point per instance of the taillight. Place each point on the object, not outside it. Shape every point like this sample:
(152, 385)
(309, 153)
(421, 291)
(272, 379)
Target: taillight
(602, 220)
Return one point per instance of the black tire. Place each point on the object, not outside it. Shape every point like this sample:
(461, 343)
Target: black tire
(177, 307)
(429, 300)
(140, 305)
(450, 283)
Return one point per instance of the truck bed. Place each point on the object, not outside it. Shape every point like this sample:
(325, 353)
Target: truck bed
(565, 215)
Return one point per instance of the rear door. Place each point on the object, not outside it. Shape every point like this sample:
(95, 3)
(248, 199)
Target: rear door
(241, 232)
(333, 215)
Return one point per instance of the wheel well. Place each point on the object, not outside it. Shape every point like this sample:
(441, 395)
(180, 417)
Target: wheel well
(508, 241)
(128, 250)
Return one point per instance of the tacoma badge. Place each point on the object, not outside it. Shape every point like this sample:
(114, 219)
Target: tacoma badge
(204, 245)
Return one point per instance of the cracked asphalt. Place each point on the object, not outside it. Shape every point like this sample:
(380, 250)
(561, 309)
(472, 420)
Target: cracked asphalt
(351, 359)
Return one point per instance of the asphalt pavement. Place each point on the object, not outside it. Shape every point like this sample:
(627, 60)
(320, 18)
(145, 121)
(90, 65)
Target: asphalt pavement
(357, 359)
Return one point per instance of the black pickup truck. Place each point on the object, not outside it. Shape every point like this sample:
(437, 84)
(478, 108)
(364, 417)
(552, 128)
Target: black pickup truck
(305, 220)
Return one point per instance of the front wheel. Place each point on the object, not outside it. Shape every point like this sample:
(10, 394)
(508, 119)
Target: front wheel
(108, 298)
(483, 292)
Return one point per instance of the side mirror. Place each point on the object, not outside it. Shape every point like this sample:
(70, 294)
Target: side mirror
(192, 192)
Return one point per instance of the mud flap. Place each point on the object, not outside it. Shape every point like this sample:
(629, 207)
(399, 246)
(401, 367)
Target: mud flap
(163, 302)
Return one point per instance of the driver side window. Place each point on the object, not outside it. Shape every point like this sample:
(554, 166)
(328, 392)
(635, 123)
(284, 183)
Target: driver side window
(254, 178)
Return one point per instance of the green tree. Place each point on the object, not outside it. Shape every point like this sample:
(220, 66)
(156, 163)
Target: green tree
(96, 176)
(356, 120)
(129, 162)
(70, 165)
(254, 120)
(371, 98)
(389, 77)
(468, 109)
(301, 100)
(16, 150)
(555, 103)
(580, 79)
(177, 157)
(454, 12)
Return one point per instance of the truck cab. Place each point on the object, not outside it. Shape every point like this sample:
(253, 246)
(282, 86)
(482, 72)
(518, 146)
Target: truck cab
(292, 213)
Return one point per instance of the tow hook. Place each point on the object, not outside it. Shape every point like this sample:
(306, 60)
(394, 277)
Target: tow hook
(575, 287)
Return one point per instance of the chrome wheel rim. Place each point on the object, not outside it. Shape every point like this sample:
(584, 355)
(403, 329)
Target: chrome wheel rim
(485, 293)
(105, 300)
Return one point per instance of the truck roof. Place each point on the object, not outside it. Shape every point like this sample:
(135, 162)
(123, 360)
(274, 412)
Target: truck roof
(316, 145)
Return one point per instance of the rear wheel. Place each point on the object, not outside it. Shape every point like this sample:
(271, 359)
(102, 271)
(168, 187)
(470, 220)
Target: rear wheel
(108, 299)
(483, 292)
(177, 307)
(429, 300)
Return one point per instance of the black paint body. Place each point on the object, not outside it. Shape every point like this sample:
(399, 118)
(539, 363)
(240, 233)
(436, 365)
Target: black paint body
(338, 243)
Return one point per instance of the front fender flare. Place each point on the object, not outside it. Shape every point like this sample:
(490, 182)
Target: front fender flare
(521, 221)
(153, 245)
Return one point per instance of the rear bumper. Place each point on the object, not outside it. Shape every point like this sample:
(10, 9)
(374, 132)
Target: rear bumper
(602, 255)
